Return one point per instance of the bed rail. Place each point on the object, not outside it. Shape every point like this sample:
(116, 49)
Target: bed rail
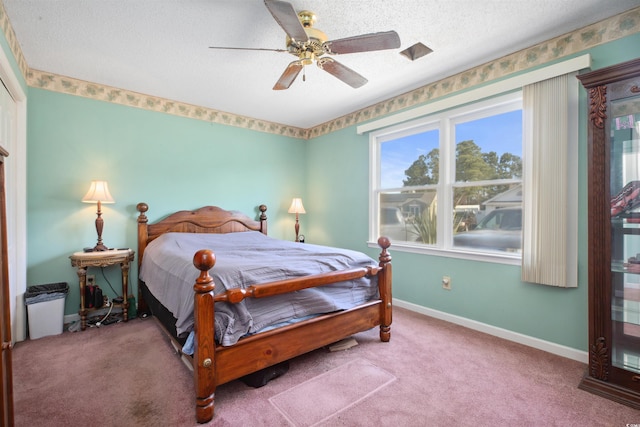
(279, 287)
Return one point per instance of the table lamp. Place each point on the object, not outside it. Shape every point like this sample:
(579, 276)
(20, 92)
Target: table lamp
(99, 193)
(297, 208)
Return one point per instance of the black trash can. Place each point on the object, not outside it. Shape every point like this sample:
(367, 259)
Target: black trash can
(45, 308)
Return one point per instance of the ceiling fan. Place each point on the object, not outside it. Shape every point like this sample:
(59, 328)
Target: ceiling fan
(309, 44)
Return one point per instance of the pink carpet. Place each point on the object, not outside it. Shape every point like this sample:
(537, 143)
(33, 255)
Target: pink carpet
(331, 392)
(127, 375)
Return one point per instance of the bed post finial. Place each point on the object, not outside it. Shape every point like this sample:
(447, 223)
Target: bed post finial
(263, 219)
(384, 284)
(384, 243)
(142, 208)
(204, 349)
(204, 260)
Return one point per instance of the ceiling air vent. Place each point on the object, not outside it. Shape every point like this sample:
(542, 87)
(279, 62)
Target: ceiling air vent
(416, 51)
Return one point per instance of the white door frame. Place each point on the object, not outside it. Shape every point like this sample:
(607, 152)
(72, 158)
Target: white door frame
(16, 193)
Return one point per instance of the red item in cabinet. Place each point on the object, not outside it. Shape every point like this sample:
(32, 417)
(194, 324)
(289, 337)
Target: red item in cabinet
(628, 198)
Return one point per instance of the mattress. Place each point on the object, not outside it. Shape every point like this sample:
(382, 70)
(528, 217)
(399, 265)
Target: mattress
(250, 258)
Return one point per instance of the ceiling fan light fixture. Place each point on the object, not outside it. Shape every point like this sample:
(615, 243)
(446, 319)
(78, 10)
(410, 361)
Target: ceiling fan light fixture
(307, 58)
(416, 51)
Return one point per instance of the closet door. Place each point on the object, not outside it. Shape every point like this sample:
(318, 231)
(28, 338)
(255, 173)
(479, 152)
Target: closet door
(5, 319)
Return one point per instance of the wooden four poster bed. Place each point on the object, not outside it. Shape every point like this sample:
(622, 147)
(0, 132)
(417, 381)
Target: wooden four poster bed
(214, 363)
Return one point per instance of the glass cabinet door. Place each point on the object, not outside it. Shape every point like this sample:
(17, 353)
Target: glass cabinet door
(625, 232)
(613, 179)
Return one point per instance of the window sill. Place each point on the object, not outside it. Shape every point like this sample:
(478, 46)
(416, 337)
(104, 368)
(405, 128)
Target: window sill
(496, 258)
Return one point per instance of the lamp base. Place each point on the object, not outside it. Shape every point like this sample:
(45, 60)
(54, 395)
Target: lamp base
(99, 248)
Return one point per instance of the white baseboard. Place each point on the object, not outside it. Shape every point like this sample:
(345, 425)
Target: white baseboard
(550, 347)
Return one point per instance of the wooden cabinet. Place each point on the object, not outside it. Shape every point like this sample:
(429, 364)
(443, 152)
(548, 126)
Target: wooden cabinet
(6, 375)
(614, 232)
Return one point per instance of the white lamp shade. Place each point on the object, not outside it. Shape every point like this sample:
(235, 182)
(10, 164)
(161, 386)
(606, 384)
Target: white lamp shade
(296, 206)
(98, 192)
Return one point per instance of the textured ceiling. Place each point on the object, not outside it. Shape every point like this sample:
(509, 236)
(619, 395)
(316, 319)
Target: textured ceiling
(161, 47)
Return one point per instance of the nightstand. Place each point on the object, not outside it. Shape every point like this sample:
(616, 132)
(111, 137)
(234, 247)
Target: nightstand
(83, 260)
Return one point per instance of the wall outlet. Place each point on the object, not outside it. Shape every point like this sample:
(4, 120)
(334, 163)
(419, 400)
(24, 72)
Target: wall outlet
(446, 283)
(91, 280)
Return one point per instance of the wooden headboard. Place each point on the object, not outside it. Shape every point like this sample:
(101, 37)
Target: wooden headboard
(208, 219)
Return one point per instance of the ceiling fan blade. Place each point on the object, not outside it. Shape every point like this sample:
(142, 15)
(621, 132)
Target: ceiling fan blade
(289, 75)
(363, 43)
(248, 48)
(286, 16)
(342, 72)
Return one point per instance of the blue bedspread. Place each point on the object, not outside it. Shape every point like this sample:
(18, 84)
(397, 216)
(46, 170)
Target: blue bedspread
(244, 259)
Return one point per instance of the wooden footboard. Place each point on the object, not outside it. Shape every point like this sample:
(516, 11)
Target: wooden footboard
(214, 364)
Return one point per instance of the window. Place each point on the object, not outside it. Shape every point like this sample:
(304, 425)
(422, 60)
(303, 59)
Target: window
(452, 181)
(550, 138)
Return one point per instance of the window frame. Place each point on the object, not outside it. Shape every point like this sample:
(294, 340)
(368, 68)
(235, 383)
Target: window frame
(445, 122)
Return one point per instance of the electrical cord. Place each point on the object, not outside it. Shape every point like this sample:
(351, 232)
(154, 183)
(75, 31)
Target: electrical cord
(109, 283)
(99, 322)
(104, 319)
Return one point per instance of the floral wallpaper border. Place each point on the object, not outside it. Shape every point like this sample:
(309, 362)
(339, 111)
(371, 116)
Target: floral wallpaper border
(605, 31)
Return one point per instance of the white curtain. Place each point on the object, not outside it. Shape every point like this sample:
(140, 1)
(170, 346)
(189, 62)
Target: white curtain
(549, 248)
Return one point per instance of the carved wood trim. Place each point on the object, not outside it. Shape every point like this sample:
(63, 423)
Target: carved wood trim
(600, 360)
(598, 106)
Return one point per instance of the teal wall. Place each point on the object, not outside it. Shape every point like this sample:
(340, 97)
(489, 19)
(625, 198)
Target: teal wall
(177, 163)
(169, 162)
(484, 292)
